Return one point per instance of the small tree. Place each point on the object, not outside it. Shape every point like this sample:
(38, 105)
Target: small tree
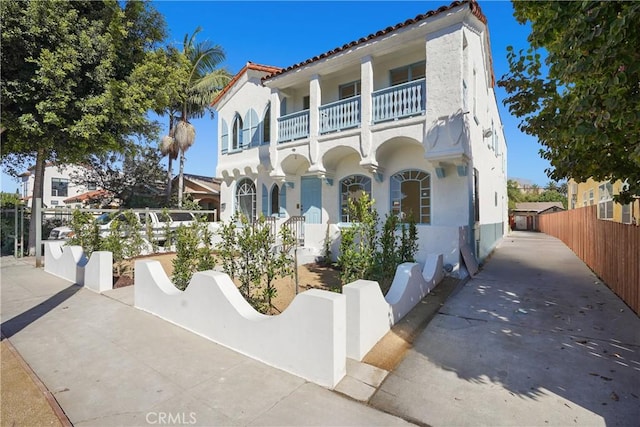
(249, 254)
(85, 232)
(124, 241)
(388, 257)
(409, 241)
(359, 241)
(186, 261)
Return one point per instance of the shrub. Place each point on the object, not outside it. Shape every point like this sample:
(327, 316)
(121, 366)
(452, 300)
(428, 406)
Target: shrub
(193, 252)
(85, 232)
(250, 254)
(124, 241)
(364, 255)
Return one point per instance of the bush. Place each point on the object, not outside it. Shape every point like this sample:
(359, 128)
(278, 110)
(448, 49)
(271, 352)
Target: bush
(364, 255)
(250, 254)
(193, 252)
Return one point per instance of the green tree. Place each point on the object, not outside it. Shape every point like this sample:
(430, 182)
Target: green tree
(199, 80)
(68, 84)
(583, 101)
(514, 194)
(131, 176)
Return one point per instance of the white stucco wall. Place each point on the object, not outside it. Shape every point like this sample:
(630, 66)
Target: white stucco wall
(50, 172)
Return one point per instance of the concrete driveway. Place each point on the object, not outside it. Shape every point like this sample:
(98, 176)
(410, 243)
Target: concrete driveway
(534, 339)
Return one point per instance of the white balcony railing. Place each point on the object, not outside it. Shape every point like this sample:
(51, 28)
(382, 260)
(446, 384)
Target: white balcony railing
(340, 115)
(293, 126)
(399, 101)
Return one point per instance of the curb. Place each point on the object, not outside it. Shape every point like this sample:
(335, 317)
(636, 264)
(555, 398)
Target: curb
(51, 400)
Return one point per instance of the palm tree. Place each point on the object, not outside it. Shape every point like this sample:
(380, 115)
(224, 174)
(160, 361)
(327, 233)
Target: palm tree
(168, 147)
(202, 81)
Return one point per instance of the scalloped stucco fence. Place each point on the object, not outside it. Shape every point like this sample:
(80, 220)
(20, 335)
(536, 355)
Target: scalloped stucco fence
(70, 263)
(370, 315)
(312, 338)
(308, 339)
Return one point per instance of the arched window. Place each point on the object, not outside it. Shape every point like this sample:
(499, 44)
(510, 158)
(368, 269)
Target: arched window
(275, 200)
(246, 199)
(236, 143)
(266, 125)
(411, 195)
(352, 187)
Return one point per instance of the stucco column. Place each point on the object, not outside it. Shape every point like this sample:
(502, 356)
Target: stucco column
(315, 98)
(273, 145)
(366, 106)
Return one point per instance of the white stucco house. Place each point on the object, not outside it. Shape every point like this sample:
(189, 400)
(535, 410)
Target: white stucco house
(59, 189)
(407, 114)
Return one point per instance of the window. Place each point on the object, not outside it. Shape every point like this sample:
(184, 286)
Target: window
(59, 187)
(246, 199)
(305, 102)
(605, 201)
(584, 199)
(348, 90)
(91, 186)
(411, 195)
(407, 73)
(352, 188)
(626, 213)
(237, 133)
(275, 200)
(591, 197)
(266, 125)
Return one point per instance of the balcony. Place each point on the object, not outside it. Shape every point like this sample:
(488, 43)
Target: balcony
(293, 126)
(340, 115)
(396, 102)
(392, 103)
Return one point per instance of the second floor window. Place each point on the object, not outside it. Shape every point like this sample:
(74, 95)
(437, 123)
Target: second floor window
(237, 133)
(266, 125)
(407, 73)
(305, 102)
(59, 187)
(605, 202)
(348, 90)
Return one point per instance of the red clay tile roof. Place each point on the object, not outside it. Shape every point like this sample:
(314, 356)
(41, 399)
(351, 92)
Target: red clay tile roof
(89, 195)
(473, 5)
(250, 66)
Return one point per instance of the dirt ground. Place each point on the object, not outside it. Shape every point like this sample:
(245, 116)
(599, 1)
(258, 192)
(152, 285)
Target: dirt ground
(310, 276)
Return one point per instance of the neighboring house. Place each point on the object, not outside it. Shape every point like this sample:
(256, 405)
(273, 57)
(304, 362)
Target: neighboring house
(407, 115)
(58, 189)
(525, 215)
(601, 193)
(203, 190)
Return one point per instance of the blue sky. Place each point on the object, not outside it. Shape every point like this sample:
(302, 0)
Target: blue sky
(287, 32)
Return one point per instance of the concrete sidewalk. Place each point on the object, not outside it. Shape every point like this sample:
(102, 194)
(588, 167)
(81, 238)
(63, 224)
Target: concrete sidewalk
(107, 363)
(534, 339)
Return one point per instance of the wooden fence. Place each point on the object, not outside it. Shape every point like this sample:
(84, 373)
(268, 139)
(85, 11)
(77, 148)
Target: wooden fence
(610, 249)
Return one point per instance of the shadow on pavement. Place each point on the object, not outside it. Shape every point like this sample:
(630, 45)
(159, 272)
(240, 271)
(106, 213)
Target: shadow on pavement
(16, 324)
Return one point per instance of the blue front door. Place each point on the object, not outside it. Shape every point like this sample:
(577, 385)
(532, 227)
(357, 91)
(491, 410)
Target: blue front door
(311, 199)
